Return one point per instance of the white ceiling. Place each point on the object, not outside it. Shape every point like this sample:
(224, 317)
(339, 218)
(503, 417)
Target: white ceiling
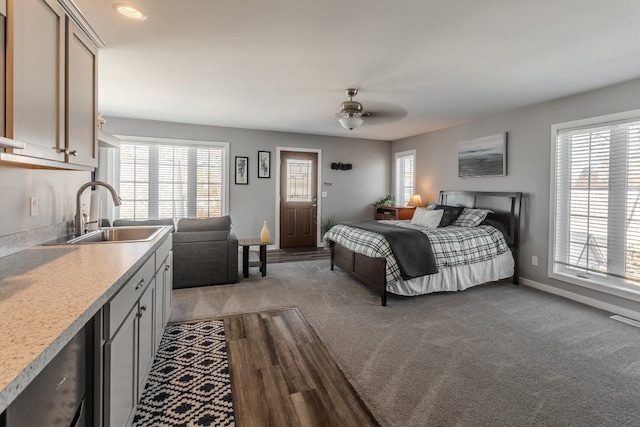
(420, 65)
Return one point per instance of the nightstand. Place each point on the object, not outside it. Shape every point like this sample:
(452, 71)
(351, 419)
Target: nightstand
(394, 212)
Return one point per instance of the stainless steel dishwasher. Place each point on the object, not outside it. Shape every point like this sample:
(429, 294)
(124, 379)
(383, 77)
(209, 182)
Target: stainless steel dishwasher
(56, 397)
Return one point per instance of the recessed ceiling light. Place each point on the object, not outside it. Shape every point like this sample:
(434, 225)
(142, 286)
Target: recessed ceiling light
(130, 11)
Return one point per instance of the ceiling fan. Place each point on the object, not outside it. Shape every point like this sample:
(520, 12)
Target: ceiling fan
(351, 112)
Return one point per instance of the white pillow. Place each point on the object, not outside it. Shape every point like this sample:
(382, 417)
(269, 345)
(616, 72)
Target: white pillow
(427, 218)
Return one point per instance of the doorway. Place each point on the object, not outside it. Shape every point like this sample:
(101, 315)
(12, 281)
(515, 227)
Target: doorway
(298, 198)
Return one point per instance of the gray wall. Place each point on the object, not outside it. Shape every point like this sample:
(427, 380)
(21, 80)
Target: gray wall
(528, 166)
(348, 196)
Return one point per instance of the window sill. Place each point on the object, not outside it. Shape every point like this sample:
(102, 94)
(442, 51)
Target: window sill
(615, 287)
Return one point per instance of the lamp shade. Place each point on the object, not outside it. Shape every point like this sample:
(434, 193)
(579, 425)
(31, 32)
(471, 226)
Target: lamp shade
(351, 122)
(415, 200)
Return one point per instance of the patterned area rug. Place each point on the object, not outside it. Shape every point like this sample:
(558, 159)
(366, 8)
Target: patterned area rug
(189, 383)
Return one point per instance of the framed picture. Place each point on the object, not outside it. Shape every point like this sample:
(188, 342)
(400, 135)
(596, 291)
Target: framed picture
(242, 170)
(485, 156)
(264, 164)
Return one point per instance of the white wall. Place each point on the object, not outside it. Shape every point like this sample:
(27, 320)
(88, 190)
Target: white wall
(55, 190)
(528, 167)
(348, 196)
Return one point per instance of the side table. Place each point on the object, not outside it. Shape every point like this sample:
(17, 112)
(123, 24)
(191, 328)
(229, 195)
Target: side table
(246, 244)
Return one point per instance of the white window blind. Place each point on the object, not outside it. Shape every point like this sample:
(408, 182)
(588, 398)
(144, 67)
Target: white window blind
(596, 211)
(404, 176)
(171, 180)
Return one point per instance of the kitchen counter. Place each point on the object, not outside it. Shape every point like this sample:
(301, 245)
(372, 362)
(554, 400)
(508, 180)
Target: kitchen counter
(48, 293)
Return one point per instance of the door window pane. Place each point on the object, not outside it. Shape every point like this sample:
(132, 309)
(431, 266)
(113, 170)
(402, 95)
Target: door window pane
(299, 180)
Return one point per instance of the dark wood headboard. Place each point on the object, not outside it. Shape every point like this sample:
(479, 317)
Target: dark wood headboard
(506, 207)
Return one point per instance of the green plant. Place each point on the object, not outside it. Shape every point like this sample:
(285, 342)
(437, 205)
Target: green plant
(385, 201)
(327, 222)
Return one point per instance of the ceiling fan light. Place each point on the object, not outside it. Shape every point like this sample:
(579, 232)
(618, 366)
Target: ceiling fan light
(351, 123)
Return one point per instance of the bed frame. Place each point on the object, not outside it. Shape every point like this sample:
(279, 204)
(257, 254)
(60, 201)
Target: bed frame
(372, 271)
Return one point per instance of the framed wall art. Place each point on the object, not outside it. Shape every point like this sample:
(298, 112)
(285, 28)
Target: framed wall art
(242, 170)
(264, 164)
(485, 156)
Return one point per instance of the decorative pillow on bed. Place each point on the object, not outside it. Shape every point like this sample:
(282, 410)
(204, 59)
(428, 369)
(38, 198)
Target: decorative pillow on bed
(450, 214)
(431, 206)
(492, 220)
(426, 217)
(471, 217)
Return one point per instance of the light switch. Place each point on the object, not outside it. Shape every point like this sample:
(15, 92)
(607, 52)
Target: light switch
(324, 194)
(33, 208)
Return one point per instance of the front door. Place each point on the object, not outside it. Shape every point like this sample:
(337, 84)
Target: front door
(298, 199)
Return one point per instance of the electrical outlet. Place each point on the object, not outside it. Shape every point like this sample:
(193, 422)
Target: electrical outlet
(33, 206)
(534, 260)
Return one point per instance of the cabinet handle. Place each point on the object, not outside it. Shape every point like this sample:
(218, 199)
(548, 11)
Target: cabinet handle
(141, 310)
(62, 381)
(139, 285)
(68, 152)
(167, 267)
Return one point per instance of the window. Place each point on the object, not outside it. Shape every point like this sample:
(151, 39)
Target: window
(172, 179)
(299, 180)
(405, 176)
(595, 233)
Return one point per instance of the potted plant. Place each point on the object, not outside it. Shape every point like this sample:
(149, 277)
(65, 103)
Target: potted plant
(385, 201)
(327, 222)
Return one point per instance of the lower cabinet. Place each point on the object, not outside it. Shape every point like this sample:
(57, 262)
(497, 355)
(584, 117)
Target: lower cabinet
(164, 287)
(146, 339)
(133, 324)
(121, 372)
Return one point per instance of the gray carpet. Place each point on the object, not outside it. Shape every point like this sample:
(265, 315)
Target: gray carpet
(494, 355)
(278, 255)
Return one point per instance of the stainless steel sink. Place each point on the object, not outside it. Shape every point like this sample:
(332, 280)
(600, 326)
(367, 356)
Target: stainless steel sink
(118, 234)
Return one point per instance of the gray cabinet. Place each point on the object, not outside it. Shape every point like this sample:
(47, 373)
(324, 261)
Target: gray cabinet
(164, 287)
(35, 77)
(51, 86)
(120, 357)
(168, 286)
(133, 323)
(146, 339)
(129, 345)
(81, 137)
(158, 306)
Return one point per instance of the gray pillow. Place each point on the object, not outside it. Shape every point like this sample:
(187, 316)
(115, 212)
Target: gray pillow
(450, 214)
(222, 223)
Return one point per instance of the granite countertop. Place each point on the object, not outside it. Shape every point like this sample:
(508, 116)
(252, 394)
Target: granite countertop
(48, 293)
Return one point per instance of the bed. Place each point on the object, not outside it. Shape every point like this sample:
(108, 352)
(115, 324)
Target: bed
(375, 268)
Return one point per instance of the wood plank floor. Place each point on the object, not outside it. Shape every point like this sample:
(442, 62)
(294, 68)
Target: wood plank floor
(282, 375)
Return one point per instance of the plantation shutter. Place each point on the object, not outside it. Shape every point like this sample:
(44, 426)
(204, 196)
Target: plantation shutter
(171, 181)
(405, 177)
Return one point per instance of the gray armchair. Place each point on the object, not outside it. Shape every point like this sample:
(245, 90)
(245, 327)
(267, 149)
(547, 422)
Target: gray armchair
(205, 252)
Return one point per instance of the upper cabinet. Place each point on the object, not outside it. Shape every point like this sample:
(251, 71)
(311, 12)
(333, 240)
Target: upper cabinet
(35, 77)
(51, 81)
(82, 98)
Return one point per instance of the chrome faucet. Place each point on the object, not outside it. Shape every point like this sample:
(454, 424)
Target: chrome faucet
(79, 222)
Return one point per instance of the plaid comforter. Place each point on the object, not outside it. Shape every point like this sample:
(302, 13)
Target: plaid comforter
(451, 245)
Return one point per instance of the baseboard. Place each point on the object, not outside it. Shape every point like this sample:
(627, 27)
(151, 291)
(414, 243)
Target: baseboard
(612, 308)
